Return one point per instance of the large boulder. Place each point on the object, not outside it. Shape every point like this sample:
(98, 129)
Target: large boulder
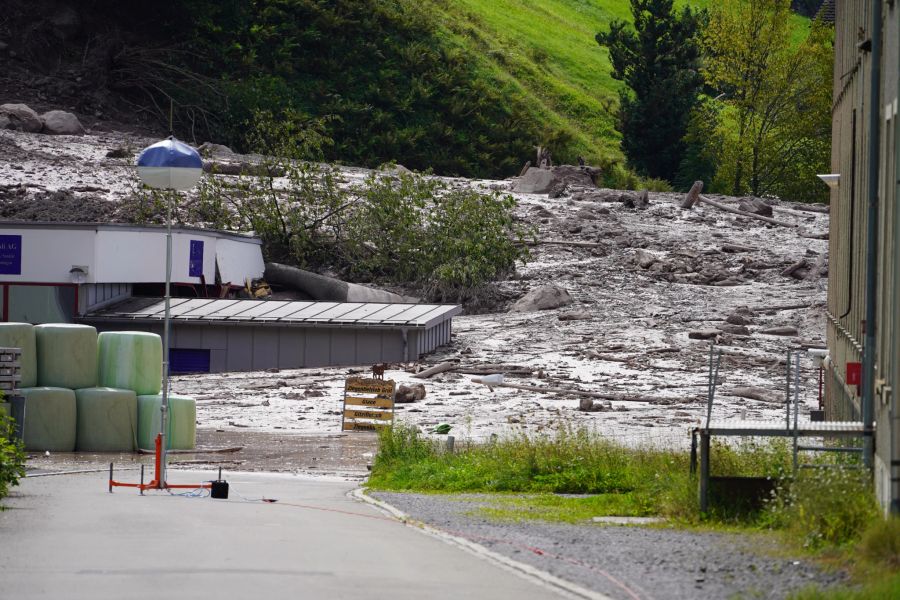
(20, 117)
(576, 176)
(542, 298)
(534, 181)
(756, 206)
(406, 394)
(60, 122)
(211, 149)
(544, 181)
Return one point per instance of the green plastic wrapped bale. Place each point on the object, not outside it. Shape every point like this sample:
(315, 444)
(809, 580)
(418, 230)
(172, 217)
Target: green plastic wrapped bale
(50, 419)
(107, 420)
(181, 433)
(21, 335)
(66, 355)
(130, 360)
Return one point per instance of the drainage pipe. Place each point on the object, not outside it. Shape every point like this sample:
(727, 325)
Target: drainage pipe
(874, 158)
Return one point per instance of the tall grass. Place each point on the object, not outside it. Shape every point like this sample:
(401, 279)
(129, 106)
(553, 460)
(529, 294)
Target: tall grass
(827, 508)
(820, 508)
(823, 511)
(656, 481)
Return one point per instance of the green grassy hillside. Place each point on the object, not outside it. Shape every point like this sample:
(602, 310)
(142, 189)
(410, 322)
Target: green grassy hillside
(462, 87)
(546, 48)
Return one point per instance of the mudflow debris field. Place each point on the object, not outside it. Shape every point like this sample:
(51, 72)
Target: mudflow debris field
(643, 294)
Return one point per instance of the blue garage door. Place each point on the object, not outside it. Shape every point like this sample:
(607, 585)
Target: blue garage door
(188, 360)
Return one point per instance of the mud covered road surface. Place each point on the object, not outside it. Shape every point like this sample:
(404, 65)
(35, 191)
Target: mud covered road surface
(333, 455)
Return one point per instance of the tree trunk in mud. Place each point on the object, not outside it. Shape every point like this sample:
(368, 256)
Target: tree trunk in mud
(320, 287)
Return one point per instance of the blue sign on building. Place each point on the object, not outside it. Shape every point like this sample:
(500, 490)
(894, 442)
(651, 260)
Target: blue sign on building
(10, 254)
(195, 266)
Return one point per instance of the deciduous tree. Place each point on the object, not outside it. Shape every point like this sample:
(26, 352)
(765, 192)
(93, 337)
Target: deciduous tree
(775, 124)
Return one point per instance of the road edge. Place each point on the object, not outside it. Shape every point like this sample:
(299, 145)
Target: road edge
(566, 588)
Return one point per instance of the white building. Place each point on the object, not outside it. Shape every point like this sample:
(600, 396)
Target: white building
(56, 272)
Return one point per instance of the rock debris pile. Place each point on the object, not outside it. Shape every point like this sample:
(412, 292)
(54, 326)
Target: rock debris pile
(621, 298)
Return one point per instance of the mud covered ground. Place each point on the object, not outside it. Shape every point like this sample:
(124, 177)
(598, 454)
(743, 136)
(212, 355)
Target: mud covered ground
(642, 281)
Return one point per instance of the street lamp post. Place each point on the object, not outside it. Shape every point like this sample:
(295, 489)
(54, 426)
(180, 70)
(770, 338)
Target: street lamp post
(173, 166)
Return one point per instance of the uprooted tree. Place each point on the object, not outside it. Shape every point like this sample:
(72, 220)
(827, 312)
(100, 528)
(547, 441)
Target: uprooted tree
(395, 227)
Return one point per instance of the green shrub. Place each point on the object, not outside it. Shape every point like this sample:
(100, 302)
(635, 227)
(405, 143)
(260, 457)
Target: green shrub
(448, 242)
(884, 588)
(396, 227)
(825, 507)
(880, 543)
(12, 456)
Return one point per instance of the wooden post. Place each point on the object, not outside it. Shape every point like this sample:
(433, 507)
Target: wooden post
(693, 452)
(704, 471)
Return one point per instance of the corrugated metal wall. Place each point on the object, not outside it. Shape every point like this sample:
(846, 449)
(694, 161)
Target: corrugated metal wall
(254, 348)
(92, 296)
(847, 244)
(847, 268)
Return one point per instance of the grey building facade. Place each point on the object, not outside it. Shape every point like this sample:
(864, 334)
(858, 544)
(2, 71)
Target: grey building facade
(210, 335)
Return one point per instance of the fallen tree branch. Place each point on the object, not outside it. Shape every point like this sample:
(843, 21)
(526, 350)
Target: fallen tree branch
(742, 213)
(196, 450)
(735, 248)
(584, 393)
(757, 393)
(513, 370)
(439, 368)
(564, 243)
(784, 306)
(800, 264)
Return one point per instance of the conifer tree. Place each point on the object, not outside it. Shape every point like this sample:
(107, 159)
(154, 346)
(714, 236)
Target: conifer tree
(658, 60)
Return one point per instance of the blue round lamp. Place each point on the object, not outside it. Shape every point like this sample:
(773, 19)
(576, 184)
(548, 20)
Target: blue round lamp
(170, 165)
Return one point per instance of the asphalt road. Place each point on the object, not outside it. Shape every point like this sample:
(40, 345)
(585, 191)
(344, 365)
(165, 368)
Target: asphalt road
(67, 537)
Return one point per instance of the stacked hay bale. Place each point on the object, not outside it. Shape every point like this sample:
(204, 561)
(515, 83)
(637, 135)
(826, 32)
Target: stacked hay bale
(133, 360)
(81, 391)
(181, 429)
(106, 418)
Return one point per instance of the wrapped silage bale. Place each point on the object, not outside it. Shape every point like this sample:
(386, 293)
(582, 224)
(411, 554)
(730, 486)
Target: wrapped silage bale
(21, 335)
(50, 419)
(107, 419)
(66, 355)
(181, 433)
(130, 360)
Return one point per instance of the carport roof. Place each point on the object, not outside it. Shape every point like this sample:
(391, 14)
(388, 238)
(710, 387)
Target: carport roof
(269, 312)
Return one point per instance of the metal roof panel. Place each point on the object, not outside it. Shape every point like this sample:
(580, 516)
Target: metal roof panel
(365, 314)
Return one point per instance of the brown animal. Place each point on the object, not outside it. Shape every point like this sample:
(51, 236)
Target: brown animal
(378, 370)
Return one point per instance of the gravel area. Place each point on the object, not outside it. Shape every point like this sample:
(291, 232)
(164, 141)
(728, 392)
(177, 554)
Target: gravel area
(623, 562)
